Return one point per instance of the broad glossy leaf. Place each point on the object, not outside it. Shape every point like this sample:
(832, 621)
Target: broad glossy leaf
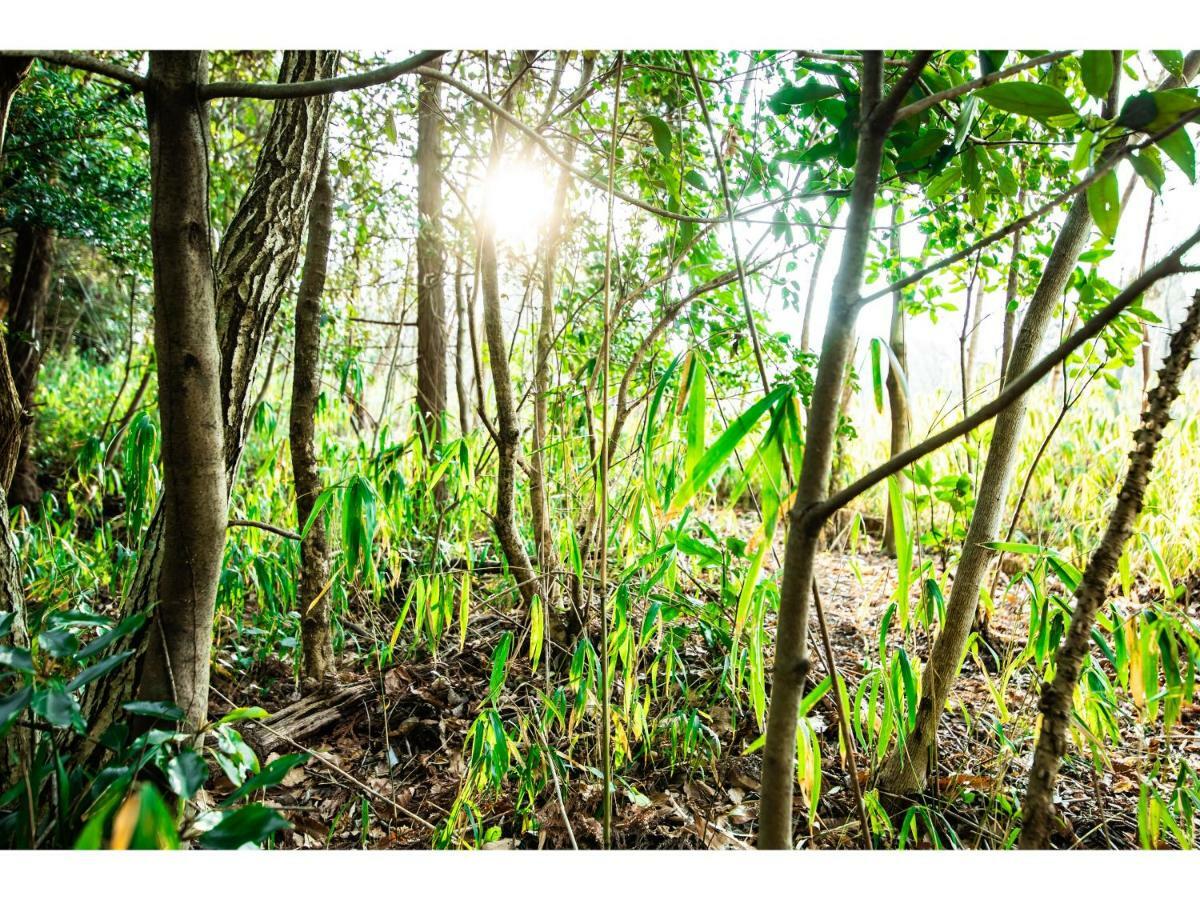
(248, 825)
(1104, 203)
(186, 774)
(1096, 67)
(1027, 98)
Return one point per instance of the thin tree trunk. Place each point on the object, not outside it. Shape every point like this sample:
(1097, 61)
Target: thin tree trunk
(1057, 696)
(810, 300)
(118, 435)
(194, 498)
(460, 351)
(16, 747)
(257, 258)
(538, 498)
(431, 301)
(897, 394)
(908, 765)
(29, 294)
(311, 596)
(1010, 292)
(508, 433)
(791, 643)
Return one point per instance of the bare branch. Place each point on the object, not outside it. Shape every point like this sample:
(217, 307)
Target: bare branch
(85, 63)
(967, 87)
(294, 90)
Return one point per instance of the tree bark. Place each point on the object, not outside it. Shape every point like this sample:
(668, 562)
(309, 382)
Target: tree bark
(312, 598)
(16, 746)
(29, 295)
(897, 395)
(508, 433)
(194, 498)
(1057, 696)
(791, 642)
(1010, 293)
(461, 365)
(431, 301)
(907, 766)
(538, 495)
(256, 260)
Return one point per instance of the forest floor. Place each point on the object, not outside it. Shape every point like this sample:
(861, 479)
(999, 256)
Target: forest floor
(397, 738)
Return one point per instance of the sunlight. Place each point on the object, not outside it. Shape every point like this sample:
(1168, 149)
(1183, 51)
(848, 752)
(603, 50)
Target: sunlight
(517, 200)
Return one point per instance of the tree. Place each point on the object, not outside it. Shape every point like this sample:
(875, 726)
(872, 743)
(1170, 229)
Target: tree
(194, 498)
(256, 259)
(312, 595)
(791, 645)
(431, 298)
(1057, 696)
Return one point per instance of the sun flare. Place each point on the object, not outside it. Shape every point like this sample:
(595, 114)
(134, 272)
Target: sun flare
(516, 201)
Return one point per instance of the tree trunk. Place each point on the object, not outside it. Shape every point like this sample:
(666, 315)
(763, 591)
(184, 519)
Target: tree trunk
(907, 766)
(312, 598)
(809, 300)
(791, 642)
(431, 301)
(29, 294)
(256, 260)
(1057, 696)
(508, 433)
(1010, 293)
(16, 746)
(461, 371)
(897, 394)
(538, 498)
(194, 498)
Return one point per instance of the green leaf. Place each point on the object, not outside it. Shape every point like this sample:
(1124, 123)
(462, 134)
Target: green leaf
(58, 708)
(12, 706)
(1096, 66)
(186, 774)
(91, 673)
(662, 134)
(1027, 98)
(695, 179)
(1138, 111)
(268, 776)
(795, 94)
(154, 709)
(499, 662)
(949, 177)
(120, 630)
(1104, 203)
(1148, 164)
(243, 712)
(924, 146)
(58, 642)
(1178, 146)
(16, 658)
(716, 455)
(697, 412)
(1172, 61)
(1013, 547)
(6, 623)
(248, 825)
(877, 373)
